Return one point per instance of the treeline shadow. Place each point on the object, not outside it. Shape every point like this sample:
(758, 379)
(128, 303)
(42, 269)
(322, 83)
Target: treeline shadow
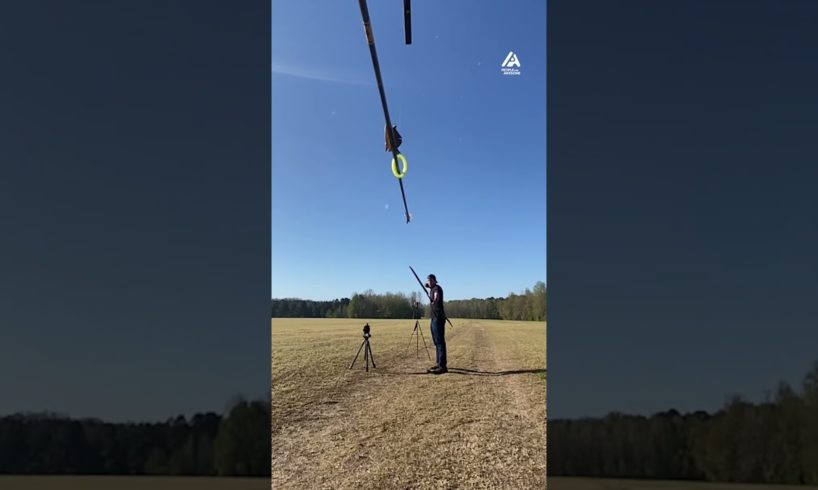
(771, 442)
(206, 444)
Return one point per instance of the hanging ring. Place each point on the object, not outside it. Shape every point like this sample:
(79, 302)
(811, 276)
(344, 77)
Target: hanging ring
(399, 175)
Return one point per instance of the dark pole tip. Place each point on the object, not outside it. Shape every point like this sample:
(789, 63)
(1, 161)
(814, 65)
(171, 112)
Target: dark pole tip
(407, 21)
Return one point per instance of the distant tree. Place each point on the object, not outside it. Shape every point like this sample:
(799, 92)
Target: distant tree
(783, 463)
(539, 300)
(809, 423)
(242, 446)
(157, 463)
(205, 428)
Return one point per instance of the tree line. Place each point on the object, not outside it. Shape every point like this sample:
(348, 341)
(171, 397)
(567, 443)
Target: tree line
(390, 305)
(773, 442)
(528, 305)
(302, 308)
(206, 444)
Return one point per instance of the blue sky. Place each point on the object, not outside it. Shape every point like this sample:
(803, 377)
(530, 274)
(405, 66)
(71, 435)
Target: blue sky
(474, 140)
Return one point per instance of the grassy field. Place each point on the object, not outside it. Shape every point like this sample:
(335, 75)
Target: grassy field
(559, 483)
(482, 425)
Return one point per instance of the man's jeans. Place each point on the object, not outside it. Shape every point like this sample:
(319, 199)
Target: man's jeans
(439, 338)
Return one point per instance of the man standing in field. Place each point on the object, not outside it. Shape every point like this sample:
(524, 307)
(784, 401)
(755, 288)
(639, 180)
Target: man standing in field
(438, 324)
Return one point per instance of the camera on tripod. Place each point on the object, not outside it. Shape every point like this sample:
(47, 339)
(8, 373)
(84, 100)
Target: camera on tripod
(368, 357)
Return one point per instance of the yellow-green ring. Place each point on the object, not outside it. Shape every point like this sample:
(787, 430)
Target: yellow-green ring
(395, 166)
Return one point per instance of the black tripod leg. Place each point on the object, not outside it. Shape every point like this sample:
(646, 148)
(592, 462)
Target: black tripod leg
(371, 357)
(424, 345)
(356, 355)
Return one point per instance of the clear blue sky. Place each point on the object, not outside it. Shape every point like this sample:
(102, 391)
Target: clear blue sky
(474, 139)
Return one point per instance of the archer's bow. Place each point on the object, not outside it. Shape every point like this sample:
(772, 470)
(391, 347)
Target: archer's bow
(427, 292)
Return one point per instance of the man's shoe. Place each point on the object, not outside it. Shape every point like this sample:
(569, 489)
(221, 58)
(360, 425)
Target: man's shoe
(433, 368)
(439, 370)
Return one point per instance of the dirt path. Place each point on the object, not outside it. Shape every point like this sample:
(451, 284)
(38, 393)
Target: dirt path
(482, 425)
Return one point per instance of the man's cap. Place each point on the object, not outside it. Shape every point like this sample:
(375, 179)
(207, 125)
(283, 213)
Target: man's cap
(431, 276)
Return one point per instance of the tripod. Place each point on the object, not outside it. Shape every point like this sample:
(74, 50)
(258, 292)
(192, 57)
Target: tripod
(367, 350)
(417, 333)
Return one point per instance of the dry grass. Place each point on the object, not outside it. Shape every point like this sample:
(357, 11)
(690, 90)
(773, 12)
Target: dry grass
(482, 425)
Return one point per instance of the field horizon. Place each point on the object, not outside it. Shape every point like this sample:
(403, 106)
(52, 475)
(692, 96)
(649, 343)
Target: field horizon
(38, 482)
(583, 483)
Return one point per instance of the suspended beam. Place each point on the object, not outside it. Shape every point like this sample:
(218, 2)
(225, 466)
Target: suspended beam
(407, 20)
(370, 39)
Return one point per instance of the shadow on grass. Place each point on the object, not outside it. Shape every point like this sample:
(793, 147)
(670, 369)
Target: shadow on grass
(474, 372)
(470, 372)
